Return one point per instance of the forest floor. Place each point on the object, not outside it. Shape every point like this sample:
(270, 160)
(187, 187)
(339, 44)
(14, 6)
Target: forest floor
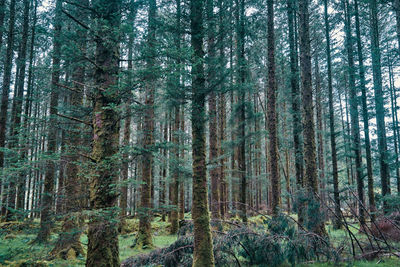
(18, 249)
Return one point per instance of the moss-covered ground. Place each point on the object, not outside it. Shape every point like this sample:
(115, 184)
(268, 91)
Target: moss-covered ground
(18, 249)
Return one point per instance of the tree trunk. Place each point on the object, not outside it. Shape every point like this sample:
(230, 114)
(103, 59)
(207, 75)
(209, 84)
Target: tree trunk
(203, 247)
(212, 110)
(103, 228)
(295, 94)
(240, 31)
(337, 221)
(354, 116)
(272, 115)
(4, 104)
(144, 239)
(175, 173)
(315, 223)
(69, 239)
(371, 194)
(46, 215)
(318, 107)
(379, 101)
(16, 112)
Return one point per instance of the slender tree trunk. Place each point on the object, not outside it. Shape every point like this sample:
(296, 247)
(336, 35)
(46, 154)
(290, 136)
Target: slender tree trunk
(337, 221)
(212, 107)
(103, 228)
(127, 126)
(175, 173)
(46, 215)
(203, 247)
(354, 115)
(315, 223)
(394, 107)
(396, 5)
(272, 115)
(371, 194)
(16, 113)
(318, 107)
(144, 239)
(240, 32)
(295, 94)
(4, 102)
(222, 113)
(68, 242)
(182, 180)
(2, 15)
(379, 101)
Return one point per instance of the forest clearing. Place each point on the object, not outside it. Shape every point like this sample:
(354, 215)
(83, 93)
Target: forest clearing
(199, 133)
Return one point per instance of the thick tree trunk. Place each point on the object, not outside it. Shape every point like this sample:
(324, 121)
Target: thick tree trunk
(103, 228)
(203, 247)
(315, 222)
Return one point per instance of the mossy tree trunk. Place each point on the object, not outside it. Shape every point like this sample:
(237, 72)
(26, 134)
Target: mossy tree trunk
(203, 247)
(315, 222)
(103, 225)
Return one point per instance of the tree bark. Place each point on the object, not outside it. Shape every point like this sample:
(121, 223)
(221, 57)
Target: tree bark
(295, 94)
(379, 101)
(354, 115)
(212, 110)
(144, 239)
(46, 215)
(365, 115)
(103, 228)
(314, 220)
(272, 115)
(203, 247)
(4, 104)
(337, 221)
